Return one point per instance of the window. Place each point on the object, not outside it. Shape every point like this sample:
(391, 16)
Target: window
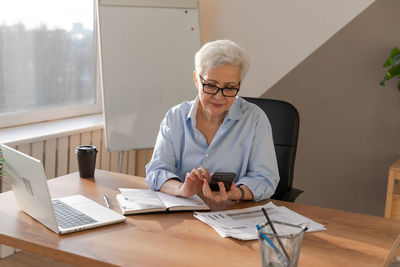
(47, 60)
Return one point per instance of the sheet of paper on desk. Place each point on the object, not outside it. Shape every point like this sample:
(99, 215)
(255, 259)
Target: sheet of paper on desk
(241, 223)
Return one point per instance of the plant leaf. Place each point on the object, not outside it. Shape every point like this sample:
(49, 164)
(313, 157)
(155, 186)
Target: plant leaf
(396, 60)
(393, 71)
(395, 51)
(387, 63)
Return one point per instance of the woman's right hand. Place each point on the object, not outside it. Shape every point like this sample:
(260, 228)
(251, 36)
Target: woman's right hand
(194, 182)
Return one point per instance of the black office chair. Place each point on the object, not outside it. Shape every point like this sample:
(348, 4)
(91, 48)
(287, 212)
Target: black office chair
(285, 121)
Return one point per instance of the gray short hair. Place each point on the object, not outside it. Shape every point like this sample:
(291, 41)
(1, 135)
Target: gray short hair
(219, 53)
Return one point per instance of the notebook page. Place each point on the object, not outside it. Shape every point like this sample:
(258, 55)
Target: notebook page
(172, 201)
(143, 198)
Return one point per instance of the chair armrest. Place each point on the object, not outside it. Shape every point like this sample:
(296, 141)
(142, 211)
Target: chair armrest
(291, 195)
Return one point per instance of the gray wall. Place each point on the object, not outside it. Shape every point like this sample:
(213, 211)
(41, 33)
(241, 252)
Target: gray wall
(350, 125)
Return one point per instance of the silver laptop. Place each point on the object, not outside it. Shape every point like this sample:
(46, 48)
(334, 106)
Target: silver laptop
(61, 215)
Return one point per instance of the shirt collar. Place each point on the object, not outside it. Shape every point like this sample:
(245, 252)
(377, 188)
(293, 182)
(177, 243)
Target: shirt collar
(193, 110)
(234, 113)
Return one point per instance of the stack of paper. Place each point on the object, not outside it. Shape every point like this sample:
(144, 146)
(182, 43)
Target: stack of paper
(241, 223)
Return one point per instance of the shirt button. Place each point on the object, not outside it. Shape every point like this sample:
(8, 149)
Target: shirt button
(206, 155)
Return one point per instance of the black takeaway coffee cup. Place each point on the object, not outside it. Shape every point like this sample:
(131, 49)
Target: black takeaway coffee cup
(86, 160)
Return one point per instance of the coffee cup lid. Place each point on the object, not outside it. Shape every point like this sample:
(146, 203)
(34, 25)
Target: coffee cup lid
(86, 149)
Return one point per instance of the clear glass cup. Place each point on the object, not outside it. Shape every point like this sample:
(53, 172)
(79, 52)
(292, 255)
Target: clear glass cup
(288, 235)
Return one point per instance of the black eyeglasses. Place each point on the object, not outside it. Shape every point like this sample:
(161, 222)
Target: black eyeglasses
(213, 89)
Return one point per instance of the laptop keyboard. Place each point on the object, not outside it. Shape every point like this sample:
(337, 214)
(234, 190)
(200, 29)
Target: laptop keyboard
(68, 217)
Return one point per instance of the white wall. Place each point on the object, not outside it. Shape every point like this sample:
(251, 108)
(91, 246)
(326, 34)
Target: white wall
(279, 34)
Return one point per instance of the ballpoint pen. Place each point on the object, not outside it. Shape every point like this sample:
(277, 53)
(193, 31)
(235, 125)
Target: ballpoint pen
(276, 234)
(106, 200)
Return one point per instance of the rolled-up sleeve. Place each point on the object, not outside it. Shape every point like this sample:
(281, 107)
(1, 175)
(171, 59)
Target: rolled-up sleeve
(162, 166)
(262, 175)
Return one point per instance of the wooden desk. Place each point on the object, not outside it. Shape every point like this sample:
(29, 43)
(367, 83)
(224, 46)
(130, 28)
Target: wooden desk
(178, 239)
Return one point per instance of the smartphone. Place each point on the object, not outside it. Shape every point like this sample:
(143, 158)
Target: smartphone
(225, 177)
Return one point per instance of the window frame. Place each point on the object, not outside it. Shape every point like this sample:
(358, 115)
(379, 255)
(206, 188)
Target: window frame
(29, 117)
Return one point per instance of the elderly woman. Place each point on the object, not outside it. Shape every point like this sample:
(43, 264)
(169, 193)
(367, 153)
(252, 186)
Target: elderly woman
(216, 132)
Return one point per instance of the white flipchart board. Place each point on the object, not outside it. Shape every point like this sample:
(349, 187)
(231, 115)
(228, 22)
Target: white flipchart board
(146, 65)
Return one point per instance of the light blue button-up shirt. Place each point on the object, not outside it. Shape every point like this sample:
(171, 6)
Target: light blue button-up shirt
(243, 144)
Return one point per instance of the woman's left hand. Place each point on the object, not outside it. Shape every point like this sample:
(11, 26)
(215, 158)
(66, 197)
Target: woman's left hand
(217, 196)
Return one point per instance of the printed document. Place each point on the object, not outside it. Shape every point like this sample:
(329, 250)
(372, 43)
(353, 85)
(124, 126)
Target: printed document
(241, 223)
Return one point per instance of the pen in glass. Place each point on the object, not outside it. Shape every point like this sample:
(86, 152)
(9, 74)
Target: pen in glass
(106, 200)
(276, 234)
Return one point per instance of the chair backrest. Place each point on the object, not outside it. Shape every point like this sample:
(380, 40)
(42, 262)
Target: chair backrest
(285, 121)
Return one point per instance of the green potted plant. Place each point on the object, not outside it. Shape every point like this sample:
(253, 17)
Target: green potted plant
(394, 63)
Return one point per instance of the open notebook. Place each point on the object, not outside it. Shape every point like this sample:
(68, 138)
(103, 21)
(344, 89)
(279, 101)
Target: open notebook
(134, 201)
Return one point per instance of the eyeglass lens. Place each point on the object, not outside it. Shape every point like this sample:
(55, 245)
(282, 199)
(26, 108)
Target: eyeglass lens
(212, 89)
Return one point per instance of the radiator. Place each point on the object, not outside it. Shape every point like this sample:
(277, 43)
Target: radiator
(59, 158)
